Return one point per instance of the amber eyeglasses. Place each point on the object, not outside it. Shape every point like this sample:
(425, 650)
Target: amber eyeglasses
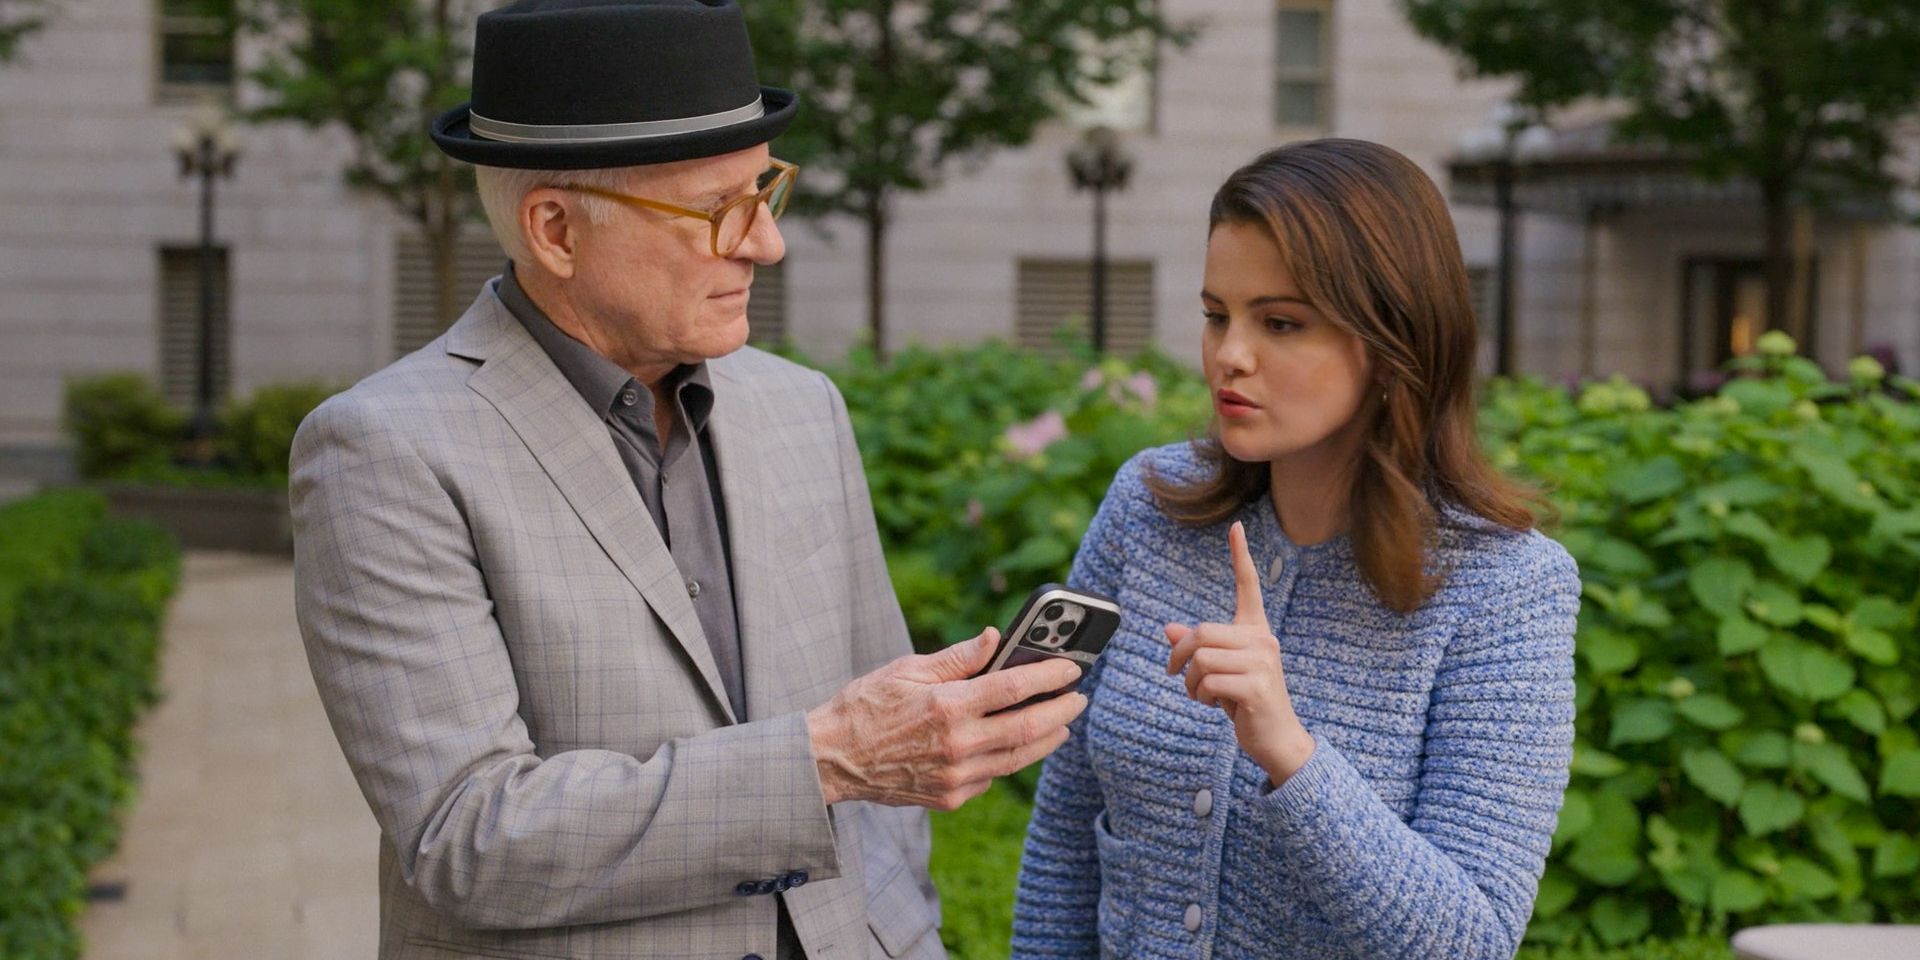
(733, 220)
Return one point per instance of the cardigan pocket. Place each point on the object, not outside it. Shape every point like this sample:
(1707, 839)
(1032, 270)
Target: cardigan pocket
(1117, 902)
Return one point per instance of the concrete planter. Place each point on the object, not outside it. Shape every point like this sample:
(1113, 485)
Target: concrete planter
(209, 518)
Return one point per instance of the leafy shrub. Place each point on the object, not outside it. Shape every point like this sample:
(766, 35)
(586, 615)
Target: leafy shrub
(1746, 646)
(256, 435)
(121, 425)
(81, 599)
(986, 465)
(123, 429)
(1746, 749)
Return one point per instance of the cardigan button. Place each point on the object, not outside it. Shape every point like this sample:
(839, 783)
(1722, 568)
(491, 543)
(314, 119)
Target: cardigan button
(1203, 802)
(1274, 570)
(1192, 919)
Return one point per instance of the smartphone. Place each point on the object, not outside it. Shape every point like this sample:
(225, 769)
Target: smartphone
(1056, 622)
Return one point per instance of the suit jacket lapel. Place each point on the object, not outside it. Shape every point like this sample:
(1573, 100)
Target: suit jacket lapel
(745, 485)
(573, 446)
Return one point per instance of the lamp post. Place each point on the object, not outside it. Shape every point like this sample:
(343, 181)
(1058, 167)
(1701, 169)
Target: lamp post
(1509, 133)
(1097, 164)
(207, 148)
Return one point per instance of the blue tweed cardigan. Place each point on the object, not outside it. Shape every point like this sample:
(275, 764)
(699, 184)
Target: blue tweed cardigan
(1421, 824)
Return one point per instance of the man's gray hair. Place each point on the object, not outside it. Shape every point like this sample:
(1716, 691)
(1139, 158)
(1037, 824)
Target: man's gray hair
(502, 189)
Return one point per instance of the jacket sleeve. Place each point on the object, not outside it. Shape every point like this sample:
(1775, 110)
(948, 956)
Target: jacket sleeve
(1459, 879)
(412, 667)
(1056, 902)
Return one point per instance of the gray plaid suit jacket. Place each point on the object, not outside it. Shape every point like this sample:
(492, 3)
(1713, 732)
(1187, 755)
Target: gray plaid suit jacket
(509, 659)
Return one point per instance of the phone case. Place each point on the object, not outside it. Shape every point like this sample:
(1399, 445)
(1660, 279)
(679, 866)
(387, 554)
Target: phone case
(1036, 633)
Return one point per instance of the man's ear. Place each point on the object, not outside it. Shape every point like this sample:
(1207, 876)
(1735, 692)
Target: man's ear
(550, 225)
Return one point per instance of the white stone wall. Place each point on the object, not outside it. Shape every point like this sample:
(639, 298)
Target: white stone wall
(953, 256)
(90, 189)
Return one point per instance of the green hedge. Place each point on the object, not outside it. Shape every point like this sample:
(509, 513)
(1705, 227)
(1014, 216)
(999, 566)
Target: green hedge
(986, 464)
(81, 600)
(1746, 648)
(123, 429)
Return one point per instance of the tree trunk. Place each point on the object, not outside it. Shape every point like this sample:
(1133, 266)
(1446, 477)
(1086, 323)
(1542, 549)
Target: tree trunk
(443, 247)
(444, 232)
(1778, 254)
(876, 220)
(1798, 324)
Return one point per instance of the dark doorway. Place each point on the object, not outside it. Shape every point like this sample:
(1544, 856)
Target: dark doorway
(1723, 312)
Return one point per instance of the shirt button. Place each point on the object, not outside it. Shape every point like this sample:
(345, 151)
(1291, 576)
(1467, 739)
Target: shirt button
(1203, 802)
(693, 588)
(745, 888)
(629, 397)
(1192, 919)
(1274, 569)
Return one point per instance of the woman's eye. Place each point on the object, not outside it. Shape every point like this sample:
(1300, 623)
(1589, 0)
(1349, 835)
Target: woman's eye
(1212, 318)
(1281, 324)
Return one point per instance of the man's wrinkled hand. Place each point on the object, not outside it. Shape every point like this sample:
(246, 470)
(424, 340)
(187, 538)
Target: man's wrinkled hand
(917, 732)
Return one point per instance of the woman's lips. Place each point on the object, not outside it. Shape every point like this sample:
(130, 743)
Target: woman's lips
(1233, 405)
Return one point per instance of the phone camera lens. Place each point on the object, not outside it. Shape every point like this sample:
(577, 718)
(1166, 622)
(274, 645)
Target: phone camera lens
(1055, 611)
(1038, 635)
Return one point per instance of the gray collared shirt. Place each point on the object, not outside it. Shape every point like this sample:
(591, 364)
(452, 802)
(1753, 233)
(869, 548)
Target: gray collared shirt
(680, 486)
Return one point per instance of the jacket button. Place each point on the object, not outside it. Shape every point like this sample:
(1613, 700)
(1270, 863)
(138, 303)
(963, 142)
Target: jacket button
(1203, 802)
(746, 888)
(1192, 919)
(765, 886)
(751, 956)
(796, 878)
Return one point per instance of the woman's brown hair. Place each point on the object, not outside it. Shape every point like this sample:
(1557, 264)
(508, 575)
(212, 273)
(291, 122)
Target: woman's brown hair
(1369, 243)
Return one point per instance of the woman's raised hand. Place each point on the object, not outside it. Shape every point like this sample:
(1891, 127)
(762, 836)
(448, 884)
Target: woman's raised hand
(1236, 666)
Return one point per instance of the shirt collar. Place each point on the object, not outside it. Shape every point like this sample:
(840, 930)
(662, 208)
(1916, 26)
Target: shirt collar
(598, 380)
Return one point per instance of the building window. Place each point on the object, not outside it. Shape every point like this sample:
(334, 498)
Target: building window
(196, 48)
(180, 324)
(767, 306)
(477, 259)
(1056, 304)
(1302, 65)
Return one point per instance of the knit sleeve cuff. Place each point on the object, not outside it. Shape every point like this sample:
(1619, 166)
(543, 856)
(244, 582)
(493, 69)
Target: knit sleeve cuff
(1317, 793)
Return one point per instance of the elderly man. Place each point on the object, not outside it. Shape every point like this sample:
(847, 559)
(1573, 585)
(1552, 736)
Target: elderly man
(592, 592)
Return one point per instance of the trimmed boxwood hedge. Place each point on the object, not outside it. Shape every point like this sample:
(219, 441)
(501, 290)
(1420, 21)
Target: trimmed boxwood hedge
(81, 601)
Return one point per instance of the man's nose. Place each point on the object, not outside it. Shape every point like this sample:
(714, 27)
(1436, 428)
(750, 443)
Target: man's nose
(763, 243)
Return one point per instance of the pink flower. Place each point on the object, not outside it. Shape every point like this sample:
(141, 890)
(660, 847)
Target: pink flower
(998, 581)
(1091, 378)
(1030, 438)
(975, 513)
(1145, 387)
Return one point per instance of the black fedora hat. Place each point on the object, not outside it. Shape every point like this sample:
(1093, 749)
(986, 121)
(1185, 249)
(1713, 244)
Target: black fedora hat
(578, 84)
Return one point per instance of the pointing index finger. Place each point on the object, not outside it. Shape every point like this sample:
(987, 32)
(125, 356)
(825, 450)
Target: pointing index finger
(1249, 607)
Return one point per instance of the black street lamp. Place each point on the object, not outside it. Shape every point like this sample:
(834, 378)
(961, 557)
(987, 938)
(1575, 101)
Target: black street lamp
(1098, 164)
(1510, 136)
(207, 148)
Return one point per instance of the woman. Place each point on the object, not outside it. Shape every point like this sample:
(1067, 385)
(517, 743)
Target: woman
(1337, 718)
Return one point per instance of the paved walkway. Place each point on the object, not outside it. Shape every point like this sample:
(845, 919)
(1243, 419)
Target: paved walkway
(249, 838)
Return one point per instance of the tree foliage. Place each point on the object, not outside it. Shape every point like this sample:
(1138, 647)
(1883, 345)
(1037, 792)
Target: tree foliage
(18, 18)
(895, 91)
(1804, 98)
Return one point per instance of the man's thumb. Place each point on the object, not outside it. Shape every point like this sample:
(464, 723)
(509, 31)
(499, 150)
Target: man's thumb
(966, 658)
